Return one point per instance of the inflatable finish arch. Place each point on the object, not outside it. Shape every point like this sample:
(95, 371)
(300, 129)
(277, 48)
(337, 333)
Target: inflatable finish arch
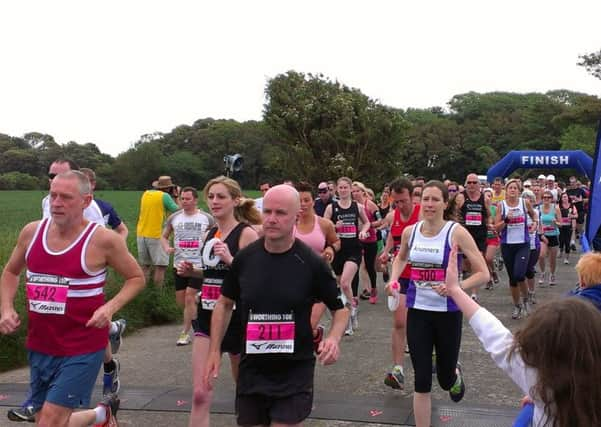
(576, 159)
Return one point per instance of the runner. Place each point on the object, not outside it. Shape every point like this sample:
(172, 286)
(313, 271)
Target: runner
(569, 215)
(66, 258)
(476, 219)
(405, 213)
(232, 214)
(346, 216)
(433, 319)
(319, 234)
(512, 225)
(492, 241)
(274, 282)
(550, 217)
(534, 247)
(579, 198)
(369, 245)
(498, 194)
(188, 226)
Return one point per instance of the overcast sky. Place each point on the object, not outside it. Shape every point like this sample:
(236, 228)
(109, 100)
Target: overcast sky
(109, 71)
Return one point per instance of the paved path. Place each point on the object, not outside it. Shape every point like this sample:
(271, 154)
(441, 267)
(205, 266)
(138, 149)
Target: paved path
(156, 376)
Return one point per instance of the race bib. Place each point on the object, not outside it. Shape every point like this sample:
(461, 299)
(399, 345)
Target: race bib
(188, 244)
(47, 294)
(548, 228)
(346, 231)
(473, 218)
(566, 221)
(514, 222)
(270, 333)
(211, 290)
(426, 276)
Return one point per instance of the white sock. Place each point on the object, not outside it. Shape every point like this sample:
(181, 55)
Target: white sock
(100, 414)
(113, 328)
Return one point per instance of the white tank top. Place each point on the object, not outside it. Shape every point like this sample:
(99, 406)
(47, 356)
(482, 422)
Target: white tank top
(429, 258)
(516, 227)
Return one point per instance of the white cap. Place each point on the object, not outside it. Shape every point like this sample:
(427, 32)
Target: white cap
(550, 177)
(527, 182)
(541, 176)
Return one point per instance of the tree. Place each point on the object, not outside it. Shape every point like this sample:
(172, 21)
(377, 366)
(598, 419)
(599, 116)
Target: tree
(327, 129)
(592, 63)
(578, 137)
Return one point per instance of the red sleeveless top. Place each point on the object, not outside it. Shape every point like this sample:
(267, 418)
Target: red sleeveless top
(62, 295)
(396, 231)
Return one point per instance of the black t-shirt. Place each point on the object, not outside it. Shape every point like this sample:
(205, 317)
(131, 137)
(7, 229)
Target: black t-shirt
(475, 217)
(272, 292)
(577, 192)
(320, 206)
(346, 222)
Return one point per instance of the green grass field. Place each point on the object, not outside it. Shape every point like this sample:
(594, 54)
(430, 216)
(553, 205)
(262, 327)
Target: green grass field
(153, 306)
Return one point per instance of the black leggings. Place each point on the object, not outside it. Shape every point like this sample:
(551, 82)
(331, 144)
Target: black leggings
(370, 250)
(427, 330)
(531, 270)
(515, 257)
(565, 235)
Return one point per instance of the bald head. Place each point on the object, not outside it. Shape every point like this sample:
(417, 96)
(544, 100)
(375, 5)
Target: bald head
(283, 195)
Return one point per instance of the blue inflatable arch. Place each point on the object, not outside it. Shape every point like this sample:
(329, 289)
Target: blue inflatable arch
(577, 159)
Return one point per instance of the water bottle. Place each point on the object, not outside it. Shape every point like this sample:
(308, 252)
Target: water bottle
(394, 299)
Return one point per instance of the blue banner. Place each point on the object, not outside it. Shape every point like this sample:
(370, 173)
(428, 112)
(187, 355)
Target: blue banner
(576, 159)
(594, 213)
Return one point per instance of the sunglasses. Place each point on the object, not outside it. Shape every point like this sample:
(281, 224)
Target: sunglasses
(452, 191)
(527, 186)
(51, 175)
(547, 197)
(472, 182)
(322, 190)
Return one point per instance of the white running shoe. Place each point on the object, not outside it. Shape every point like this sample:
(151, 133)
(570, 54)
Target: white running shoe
(517, 312)
(184, 339)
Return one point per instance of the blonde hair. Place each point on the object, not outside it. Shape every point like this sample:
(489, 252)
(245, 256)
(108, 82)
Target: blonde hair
(511, 181)
(589, 268)
(360, 185)
(245, 211)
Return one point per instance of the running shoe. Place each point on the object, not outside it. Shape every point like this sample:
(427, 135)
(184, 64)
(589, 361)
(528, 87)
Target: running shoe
(184, 339)
(349, 329)
(395, 379)
(489, 286)
(111, 403)
(457, 391)
(365, 294)
(525, 308)
(552, 281)
(373, 297)
(318, 337)
(573, 246)
(517, 312)
(542, 278)
(115, 338)
(110, 380)
(495, 277)
(566, 261)
(24, 413)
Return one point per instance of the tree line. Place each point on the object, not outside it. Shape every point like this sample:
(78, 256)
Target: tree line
(314, 128)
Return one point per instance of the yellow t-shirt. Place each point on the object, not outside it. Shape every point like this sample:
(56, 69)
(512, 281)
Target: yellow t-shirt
(152, 214)
(498, 198)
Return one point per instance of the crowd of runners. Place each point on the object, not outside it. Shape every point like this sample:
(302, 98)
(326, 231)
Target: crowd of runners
(256, 284)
